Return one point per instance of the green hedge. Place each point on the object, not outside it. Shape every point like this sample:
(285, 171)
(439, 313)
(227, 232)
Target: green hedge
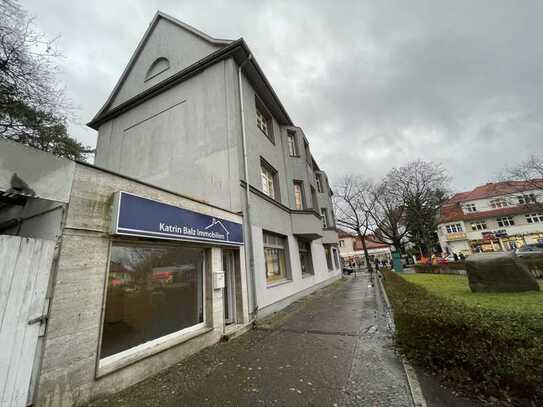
(481, 351)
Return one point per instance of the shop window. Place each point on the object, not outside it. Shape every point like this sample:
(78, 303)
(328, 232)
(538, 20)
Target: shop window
(292, 146)
(478, 225)
(336, 257)
(299, 201)
(534, 217)
(306, 263)
(328, 253)
(152, 290)
(499, 203)
(275, 257)
(454, 228)
(505, 221)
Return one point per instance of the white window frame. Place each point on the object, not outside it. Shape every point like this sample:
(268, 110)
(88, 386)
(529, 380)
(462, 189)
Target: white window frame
(505, 221)
(454, 228)
(268, 179)
(111, 363)
(292, 146)
(262, 122)
(499, 203)
(526, 199)
(470, 207)
(324, 217)
(299, 185)
(478, 225)
(534, 217)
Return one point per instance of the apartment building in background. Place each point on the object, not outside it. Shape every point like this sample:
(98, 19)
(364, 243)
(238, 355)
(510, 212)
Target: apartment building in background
(196, 115)
(497, 216)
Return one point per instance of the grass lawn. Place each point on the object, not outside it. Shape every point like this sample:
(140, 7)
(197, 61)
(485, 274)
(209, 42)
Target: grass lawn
(456, 288)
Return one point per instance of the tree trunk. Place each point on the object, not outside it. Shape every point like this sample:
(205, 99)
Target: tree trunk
(366, 255)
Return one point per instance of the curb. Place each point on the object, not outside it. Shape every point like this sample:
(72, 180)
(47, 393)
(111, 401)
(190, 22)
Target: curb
(412, 380)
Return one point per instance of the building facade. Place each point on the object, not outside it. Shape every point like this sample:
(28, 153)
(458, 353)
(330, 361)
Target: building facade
(352, 251)
(196, 115)
(112, 279)
(493, 217)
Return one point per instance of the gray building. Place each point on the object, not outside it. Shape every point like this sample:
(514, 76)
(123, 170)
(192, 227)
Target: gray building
(196, 115)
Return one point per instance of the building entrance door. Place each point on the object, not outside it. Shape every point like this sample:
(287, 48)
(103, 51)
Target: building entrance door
(229, 264)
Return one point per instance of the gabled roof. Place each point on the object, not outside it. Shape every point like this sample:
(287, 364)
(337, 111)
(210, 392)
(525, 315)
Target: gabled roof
(237, 49)
(159, 15)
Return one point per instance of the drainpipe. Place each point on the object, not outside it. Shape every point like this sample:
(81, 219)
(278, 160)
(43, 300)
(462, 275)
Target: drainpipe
(247, 214)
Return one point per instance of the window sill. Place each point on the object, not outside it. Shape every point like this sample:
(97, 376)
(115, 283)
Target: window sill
(125, 358)
(278, 283)
(307, 275)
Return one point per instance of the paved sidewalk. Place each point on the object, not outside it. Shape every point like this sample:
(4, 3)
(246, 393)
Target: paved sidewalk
(330, 349)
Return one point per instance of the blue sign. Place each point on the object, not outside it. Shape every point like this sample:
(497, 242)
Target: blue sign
(138, 216)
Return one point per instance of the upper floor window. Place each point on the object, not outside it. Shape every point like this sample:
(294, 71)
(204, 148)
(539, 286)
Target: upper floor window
(341, 243)
(481, 225)
(534, 217)
(499, 203)
(319, 183)
(455, 227)
(324, 214)
(299, 195)
(526, 199)
(269, 180)
(264, 120)
(292, 147)
(470, 207)
(505, 221)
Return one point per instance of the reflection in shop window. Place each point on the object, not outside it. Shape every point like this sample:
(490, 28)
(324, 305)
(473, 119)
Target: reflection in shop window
(328, 254)
(304, 249)
(275, 257)
(152, 291)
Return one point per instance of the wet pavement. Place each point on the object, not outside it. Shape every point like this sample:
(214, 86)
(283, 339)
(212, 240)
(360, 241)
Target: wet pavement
(330, 349)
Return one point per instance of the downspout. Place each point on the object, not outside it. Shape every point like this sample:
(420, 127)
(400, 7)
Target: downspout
(247, 214)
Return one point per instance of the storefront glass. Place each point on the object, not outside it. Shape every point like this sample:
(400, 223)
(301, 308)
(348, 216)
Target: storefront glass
(275, 257)
(153, 290)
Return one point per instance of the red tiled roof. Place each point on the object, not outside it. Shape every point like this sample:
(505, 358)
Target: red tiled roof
(451, 210)
(495, 189)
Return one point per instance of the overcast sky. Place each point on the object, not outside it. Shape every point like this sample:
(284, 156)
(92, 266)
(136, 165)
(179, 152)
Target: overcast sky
(374, 84)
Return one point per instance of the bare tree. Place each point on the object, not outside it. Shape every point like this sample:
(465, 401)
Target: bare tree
(33, 110)
(353, 204)
(528, 176)
(388, 214)
(422, 187)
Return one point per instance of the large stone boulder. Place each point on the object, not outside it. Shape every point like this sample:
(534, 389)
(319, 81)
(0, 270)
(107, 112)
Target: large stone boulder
(499, 272)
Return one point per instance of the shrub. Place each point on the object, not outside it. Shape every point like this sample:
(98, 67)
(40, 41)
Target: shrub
(482, 351)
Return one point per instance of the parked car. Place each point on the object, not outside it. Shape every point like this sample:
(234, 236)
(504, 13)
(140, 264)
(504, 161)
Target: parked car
(530, 250)
(347, 270)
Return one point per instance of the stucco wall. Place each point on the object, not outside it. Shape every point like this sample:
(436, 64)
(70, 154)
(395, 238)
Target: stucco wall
(181, 140)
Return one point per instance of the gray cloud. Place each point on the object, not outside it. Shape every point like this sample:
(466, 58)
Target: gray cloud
(373, 84)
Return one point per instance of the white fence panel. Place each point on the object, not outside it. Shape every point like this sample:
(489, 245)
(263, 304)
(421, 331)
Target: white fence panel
(25, 266)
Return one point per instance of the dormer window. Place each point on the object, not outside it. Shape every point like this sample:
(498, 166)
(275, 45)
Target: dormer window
(499, 203)
(158, 66)
(470, 208)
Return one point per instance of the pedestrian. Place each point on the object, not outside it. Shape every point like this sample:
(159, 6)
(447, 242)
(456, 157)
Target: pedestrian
(462, 257)
(377, 264)
(455, 256)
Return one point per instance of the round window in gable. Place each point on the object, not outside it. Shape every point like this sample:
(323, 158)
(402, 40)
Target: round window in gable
(158, 66)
